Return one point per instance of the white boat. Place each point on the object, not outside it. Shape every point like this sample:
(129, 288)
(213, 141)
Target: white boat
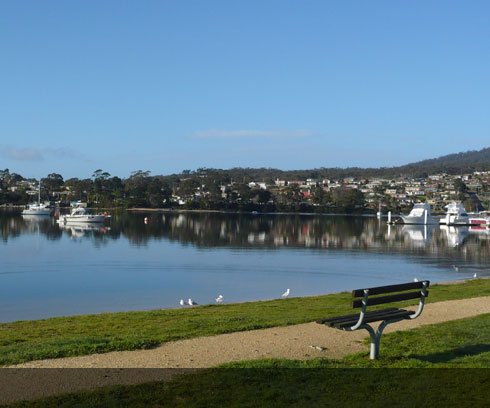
(481, 219)
(81, 214)
(455, 215)
(420, 214)
(37, 208)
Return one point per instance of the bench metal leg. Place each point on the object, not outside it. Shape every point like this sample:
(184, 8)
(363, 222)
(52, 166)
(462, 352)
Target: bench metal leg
(374, 349)
(376, 337)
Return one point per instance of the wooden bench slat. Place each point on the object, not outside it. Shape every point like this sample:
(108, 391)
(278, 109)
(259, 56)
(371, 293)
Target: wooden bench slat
(389, 288)
(388, 299)
(355, 315)
(369, 316)
(401, 313)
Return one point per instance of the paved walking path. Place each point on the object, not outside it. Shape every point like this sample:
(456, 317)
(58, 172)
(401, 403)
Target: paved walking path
(292, 342)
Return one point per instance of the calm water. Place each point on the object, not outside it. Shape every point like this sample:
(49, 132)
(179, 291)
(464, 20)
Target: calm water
(47, 270)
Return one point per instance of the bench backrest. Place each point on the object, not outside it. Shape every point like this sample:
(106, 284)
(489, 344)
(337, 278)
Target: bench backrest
(394, 295)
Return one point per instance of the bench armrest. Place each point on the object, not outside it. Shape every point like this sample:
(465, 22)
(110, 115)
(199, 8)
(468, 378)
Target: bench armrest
(363, 312)
(423, 295)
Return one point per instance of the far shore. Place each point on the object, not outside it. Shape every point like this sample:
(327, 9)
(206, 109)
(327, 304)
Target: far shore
(367, 213)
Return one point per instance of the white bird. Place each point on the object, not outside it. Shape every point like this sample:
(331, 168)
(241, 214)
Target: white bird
(182, 303)
(475, 276)
(220, 299)
(191, 302)
(286, 294)
(455, 268)
(415, 280)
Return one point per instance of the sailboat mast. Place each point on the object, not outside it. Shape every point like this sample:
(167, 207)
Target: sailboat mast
(39, 193)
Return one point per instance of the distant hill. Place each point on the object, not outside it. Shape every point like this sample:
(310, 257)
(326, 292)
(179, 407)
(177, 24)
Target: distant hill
(456, 163)
(452, 163)
(469, 158)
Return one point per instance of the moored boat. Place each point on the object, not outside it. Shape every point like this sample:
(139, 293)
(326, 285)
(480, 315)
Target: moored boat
(37, 208)
(81, 214)
(420, 214)
(455, 215)
(481, 219)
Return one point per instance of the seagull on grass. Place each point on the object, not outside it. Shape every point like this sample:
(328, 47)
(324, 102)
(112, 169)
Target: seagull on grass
(220, 299)
(182, 303)
(191, 302)
(475, 276)
(286, 294)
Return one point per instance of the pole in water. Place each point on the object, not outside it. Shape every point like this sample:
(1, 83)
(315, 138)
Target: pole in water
(425, 217)
(389, 217)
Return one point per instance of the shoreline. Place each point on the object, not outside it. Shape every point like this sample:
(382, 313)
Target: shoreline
(371, 213)
(293, 342)
(95, 315)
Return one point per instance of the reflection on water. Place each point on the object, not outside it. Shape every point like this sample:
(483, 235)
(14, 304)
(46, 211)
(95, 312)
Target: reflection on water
(207, 230)
(51, 269)
(455, 235)
(418, 235)
(80, 230)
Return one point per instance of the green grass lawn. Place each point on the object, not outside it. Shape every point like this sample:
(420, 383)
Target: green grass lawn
(461, 343)
(408, 374)
(79, 335)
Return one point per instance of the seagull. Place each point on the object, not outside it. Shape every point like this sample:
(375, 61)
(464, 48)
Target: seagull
(191, 302)
(456, 268)
(220, 299)
(182, 303)
(286, 294)
(475, 276)
(415, 280)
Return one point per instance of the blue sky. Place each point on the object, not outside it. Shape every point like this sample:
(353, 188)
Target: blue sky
(172, 85)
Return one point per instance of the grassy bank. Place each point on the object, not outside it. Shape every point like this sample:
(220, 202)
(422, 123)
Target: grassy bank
(462, 343)
(79, 335)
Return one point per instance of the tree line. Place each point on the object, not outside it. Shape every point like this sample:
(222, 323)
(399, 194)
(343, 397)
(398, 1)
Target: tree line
(207, 189)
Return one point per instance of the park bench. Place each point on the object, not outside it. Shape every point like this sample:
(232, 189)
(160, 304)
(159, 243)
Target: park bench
(391, 294)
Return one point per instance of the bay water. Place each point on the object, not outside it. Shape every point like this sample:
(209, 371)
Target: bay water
(48, 270)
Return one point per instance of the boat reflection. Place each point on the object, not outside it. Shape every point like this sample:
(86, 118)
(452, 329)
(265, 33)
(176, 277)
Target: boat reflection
(83, 230)
(419, 235)
(455, 236)
(34, 218)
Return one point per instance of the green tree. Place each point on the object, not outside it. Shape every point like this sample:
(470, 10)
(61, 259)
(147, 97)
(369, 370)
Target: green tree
(320, 196)
(53, 182)
(460, 188)
(348, 199)
(293, 193)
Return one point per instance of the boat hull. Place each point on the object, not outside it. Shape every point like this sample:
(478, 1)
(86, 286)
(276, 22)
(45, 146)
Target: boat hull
(36, 212)
(68, 219)
(410, 219)
(455, 220)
